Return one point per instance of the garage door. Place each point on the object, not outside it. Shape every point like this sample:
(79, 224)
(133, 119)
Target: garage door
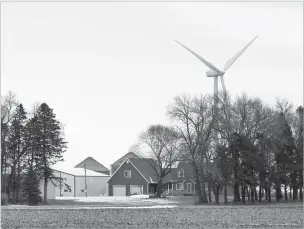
(136, 189)
(119, 190)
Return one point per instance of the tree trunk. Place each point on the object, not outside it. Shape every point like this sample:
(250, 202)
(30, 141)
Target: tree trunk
(18, 177)
(248, 193)
(2, 169)
(14, 191)
(295, 192)
(260, 193)
(285, 191)
(301, 185)
(3, 157)
(293, 177)
(252, 194)
(209, 192)
(278, 193)
(202, 179)
(243, 194)
(204, 193)
(225, 193)
(158, 189)
(5, 181)
(18, 184)
(266, 193)
(236, 192)
(290, 190)
(269, 194)
(216, 194)
(45, 190)
(255, 194)
(198, 188)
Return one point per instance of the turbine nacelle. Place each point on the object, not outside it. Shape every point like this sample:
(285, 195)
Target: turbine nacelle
(214, 73)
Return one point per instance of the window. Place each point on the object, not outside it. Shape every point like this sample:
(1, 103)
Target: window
(179, 186)
(180, 173)
(127, 173)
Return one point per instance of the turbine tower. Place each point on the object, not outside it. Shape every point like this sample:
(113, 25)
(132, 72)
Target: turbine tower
(216, 72)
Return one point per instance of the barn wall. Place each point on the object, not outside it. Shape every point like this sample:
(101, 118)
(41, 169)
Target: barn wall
(97, 186)
(69, 180)
(51, 190)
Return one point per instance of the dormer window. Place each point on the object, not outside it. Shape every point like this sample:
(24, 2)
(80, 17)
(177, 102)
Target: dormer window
(127, 173)
(180, 173)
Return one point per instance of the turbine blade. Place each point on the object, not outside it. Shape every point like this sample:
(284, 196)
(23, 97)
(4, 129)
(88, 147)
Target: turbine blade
(223, 84)
(236, 56)
(208, 64)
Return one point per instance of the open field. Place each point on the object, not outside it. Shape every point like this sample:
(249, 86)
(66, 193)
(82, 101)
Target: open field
(142, 212)
(276, 216)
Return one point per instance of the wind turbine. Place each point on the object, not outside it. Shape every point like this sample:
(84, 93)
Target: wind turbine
(216, 72)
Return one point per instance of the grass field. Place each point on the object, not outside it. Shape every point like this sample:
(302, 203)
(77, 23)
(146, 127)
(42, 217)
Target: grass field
(141, 212)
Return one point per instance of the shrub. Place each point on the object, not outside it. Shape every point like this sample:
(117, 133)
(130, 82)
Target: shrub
(4, 199)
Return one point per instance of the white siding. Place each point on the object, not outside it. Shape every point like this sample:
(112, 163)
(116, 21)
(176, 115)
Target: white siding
(68, 179)
(51, 190)
(97, 186)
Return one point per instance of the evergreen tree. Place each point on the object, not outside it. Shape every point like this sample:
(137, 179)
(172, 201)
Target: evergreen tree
(17, 148)
(52, 145)
(32, 187)
(224, 164)
(284, 147)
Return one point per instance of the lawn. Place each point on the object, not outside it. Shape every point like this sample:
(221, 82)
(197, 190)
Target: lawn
(271, 216)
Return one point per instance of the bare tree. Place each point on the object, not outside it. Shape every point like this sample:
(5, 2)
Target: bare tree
(195, 118)
(8, 104)
(137, 149)
(163, 149)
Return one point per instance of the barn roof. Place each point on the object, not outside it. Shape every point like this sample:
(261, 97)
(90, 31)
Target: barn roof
(93, 165)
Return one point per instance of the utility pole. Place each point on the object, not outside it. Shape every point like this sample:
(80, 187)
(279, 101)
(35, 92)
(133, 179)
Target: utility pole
(85, 180)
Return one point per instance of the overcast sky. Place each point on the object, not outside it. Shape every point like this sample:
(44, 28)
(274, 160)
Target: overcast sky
(110, 69)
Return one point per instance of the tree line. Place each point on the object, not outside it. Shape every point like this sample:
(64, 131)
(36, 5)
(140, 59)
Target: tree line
(253, 147)
(31, 142)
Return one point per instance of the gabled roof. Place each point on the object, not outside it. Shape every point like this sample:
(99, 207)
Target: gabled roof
(91, 164)
(123, 158)
(144, 165)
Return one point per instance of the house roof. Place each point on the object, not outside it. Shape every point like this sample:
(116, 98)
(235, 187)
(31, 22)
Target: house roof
(144, 165)
(172, 176)
(123, 158)
(189, 172)
(91, 164)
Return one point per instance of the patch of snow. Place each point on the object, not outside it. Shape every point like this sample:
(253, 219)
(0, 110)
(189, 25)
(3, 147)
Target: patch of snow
(72, 208)
(119, 199)
(140, 196)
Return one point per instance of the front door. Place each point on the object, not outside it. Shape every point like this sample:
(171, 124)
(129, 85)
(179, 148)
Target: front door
(189, 187)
